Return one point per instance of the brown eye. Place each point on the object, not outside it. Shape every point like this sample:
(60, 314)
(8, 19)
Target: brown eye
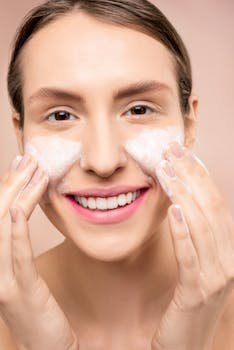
(140, 110)
(60, 116)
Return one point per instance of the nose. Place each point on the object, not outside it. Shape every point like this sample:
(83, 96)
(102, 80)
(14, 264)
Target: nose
(103, 151)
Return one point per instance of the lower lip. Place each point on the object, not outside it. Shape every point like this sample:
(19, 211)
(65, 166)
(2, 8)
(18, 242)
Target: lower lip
(108, 216)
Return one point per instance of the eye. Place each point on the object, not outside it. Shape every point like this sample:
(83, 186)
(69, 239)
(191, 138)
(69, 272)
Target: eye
(141, 110)
(60, 116)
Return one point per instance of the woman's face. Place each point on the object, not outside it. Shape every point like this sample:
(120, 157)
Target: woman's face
(72, 70)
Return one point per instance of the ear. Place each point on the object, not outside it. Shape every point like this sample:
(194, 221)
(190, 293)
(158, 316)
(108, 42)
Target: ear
(190, 122)
(18, 131)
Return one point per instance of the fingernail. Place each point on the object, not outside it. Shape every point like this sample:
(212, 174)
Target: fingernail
(161, 178)
(177, 150)
(168, 169)
(37, 177)
(16, 162)
(177, 213)
(24, 162)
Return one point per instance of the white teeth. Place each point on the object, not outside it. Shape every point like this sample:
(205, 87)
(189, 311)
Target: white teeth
(122, 200)
(129, 197)
(92, 203)
(78, 199)
(101, 203)
(112, 203)
(84, 202)
(109, 202)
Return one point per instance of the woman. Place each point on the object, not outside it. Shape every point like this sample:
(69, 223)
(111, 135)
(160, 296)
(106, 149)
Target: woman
(102, 98)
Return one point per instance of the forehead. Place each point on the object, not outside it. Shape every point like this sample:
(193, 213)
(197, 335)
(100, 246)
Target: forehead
(78, 50)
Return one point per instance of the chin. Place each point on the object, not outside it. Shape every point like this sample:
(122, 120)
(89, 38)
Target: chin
(113, 246)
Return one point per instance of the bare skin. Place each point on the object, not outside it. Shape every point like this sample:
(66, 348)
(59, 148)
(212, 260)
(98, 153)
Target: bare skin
(223, 337)
(92, 319)
(113, 291)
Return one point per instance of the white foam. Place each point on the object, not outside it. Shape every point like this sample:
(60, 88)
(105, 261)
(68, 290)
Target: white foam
(147, 148)
(54, 154)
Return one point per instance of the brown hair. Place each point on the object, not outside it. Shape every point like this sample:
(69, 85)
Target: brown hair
(140, 15)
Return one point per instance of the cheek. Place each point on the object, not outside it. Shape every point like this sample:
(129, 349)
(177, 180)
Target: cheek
(148, 147)
(54, 154)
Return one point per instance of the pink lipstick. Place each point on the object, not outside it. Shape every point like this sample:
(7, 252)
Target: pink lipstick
(109, 216)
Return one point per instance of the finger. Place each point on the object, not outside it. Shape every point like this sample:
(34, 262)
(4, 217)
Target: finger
(32, 193)
(191, 171)
(201, 234)
(23, 263)
(185, 253)
(16, 181)
(15, 163)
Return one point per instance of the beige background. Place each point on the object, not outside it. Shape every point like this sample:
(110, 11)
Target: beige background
(208, 31)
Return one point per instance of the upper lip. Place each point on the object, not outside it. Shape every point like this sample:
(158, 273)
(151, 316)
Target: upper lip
(106, 192)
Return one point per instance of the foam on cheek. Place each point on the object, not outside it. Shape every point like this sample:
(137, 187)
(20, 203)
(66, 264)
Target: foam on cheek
(54, 154)
(148, 147)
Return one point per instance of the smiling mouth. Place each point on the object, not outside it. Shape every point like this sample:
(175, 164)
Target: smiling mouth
(107, 206)
(107, 203)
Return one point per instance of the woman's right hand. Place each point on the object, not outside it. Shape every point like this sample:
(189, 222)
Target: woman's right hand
(26, 304)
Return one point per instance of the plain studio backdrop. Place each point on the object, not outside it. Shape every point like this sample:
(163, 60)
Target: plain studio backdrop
(207, 29)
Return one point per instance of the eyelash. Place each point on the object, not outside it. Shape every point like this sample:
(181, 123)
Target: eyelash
(145, 106)
(56, 112)
(65, 112)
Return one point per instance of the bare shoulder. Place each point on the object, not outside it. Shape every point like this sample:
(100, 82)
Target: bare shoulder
(224, 338)
(6, 339)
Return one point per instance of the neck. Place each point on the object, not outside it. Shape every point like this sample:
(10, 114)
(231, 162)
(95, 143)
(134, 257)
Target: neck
(135, 289)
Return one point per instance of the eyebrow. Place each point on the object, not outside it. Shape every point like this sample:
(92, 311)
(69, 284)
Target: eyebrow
(135, 88)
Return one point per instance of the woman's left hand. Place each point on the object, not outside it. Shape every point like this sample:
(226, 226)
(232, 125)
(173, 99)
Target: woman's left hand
(202, 232)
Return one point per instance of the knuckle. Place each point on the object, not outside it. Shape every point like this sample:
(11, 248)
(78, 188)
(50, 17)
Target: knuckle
(21, 259)
(199, 297)
(8, 291)
(215, 290)
(17, 237)
(185, 302)
(197, 301)
(195, 284)
(189, 262)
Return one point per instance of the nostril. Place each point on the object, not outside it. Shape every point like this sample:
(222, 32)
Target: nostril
(103, 159)
(103, 172)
